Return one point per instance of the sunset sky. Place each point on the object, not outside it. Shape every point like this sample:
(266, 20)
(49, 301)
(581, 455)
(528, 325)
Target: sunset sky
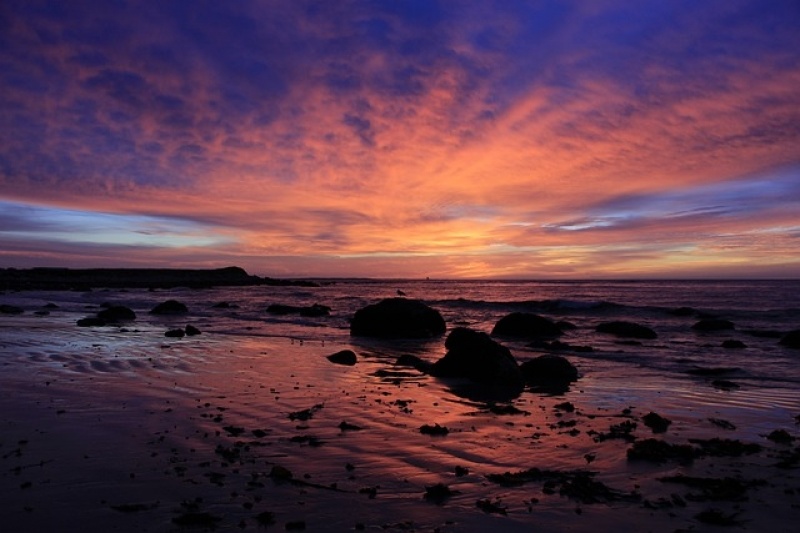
(449, 139)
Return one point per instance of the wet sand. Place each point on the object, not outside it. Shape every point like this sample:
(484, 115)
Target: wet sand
(106, 429)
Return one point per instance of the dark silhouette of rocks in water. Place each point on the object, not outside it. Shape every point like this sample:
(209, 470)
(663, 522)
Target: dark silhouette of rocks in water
(791, 339)
(170, 307)
(397, 318)
(476, 356)
(310, 311)
(621, 328)
(712, 324)
(550, 373)
(526, 325)
(175, 333)
(91, 322)
(224, 305)
(733, 344)
(656, 422)
(344, 357)
(11, 310)
(414, 362)
(435, 430)
(558, 346)
(117, 313)
(682, 311)
(191, 331)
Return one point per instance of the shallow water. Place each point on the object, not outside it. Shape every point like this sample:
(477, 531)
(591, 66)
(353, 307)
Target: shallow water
(96, 418)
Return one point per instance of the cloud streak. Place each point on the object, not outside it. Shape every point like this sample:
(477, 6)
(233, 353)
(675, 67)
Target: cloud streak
(406, 138)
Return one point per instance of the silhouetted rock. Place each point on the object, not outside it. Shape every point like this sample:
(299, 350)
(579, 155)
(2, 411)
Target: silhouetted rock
(682, 311)
(526, 325)
(11, 310)
(474, 355)
(117, 313)
(344, 357)
(414, 362)
(170, 307)
(175, 333)
(733, 344)
(549, 372)
(191, 331)
(656, 422)
(621, 328)
(91, 322)
(224, 305)
(397, 318)
(713, 324)
(791, 339)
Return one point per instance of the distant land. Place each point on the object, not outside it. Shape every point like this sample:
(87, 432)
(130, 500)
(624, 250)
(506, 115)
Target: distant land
(119, 278)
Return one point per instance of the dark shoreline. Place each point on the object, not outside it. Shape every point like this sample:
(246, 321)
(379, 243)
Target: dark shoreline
(12, 279)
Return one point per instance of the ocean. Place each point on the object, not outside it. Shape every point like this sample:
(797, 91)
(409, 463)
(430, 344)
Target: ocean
(162, 421)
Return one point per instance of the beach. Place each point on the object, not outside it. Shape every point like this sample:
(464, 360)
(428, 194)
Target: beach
(248, 424)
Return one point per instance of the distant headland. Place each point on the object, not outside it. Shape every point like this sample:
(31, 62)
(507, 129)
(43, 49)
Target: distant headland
(119, 278)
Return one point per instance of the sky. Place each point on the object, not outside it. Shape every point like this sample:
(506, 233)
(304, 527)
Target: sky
(420, 138)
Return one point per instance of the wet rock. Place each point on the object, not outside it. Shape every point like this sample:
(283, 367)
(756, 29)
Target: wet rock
(191, 331)
(791, 339)
(11, 310)
(488, 507)
(280, 473)
(435, 430)
(91, 322)
(682, 311)
(621, 328)
(344, 426)
(526, 325)
(733, 344)
(344, 357)
(656, 422)
(397, 318)
(438, 493)
(175, 333)
(414, 362)
(722, 423)
(549, 372)
(265, 518)
(170, 307)
(659, 451)
(725, 447)
(724, 384)
(713, 324)
(117, 313)
(714, 489)
(780, 436)
(224, 305)
(476, 356)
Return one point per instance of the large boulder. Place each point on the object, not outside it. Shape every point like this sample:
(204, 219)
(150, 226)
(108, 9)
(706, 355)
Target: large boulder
(791, 339)
(526, 325)
(170, 307)
(117, 313)
(397, 318)
(549, 372)
(621, 328)
(476, 356)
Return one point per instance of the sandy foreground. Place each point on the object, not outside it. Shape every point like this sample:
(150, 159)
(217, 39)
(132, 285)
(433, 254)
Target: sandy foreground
(110, 430)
